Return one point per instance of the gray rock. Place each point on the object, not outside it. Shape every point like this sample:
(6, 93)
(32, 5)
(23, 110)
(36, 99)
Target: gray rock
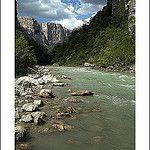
(46, 93)
(88, 65)
(44, 33)
(27, 118)
(59, 84)
(65, 77)
(41, 81)
(38, 117)
(27, 82)
(38, 102)
(50, 78)
(29, 107)
(20, 133)
(17, 115)
(29, 97)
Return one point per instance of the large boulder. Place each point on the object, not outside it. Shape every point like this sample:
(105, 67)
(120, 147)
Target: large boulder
(88, 65)
(82, 93)
(38, 117)
(38, 102)
(46, 93)
(20, 133)
(22, 91)
(27, 81)
(50, 78)
(29, 107)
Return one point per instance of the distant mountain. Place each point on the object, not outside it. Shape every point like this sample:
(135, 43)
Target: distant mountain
(43, 33)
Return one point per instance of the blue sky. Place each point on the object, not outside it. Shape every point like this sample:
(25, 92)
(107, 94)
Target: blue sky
(69, 13)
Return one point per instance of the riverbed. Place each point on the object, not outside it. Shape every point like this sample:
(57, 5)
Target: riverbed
(112, 128)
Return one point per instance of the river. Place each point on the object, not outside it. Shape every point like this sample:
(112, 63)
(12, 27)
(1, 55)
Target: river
(111, 129)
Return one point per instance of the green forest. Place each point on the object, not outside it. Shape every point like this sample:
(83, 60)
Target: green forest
(105, 41)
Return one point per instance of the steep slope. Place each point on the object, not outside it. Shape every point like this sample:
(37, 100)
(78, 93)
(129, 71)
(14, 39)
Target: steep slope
(106, 41)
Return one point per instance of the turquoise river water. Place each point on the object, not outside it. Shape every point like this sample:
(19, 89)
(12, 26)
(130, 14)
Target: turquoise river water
(111, 129)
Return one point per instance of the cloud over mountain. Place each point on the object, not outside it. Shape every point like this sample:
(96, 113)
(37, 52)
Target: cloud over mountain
(60, 11)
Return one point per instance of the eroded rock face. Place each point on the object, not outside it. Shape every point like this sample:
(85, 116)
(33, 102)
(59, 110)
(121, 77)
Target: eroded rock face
(44, 33)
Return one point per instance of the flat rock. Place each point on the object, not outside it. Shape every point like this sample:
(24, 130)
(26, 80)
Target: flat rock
(29, 107)
(73, 100)
(82, 93)
(59, 84)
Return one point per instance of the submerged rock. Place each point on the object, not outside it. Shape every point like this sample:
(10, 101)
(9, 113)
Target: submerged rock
(46, 93)
(29, 107)
(73, 100)
(82, 93)
(69, 91)
(96, 110)
(70, 110)
(20, 133)
(23, 145)
(58, 127)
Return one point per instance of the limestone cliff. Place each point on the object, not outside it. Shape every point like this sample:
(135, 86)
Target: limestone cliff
(43, 33)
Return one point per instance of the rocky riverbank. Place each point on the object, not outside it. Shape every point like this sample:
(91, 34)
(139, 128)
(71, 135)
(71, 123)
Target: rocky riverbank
(37, 108)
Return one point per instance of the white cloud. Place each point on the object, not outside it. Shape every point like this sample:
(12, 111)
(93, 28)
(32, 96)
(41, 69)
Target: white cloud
(49, 9)
(89, 8)
(70, 23)
(59, 12)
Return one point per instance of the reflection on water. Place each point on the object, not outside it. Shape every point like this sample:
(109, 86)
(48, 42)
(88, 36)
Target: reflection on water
(111, 129)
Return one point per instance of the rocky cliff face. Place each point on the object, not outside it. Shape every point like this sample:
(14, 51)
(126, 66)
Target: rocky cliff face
(55, 33)
(43, 33)
(131, 10)
(130, 7)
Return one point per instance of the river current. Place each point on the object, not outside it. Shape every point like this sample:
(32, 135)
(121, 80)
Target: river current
(111, 129)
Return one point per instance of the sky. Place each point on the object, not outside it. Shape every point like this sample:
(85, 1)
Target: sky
(69, 13)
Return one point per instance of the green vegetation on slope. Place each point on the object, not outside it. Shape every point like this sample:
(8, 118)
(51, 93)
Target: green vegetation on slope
(24, 55)
(105, 41)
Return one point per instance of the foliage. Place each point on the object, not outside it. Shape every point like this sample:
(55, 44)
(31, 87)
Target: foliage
(24, 55)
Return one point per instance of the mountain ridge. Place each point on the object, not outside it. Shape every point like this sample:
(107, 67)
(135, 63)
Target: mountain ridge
(44, 33)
